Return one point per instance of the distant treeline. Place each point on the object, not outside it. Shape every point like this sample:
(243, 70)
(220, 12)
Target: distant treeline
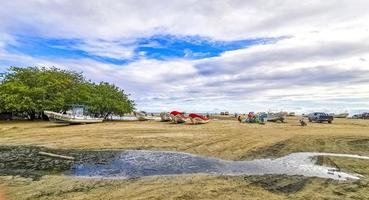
(32, 90)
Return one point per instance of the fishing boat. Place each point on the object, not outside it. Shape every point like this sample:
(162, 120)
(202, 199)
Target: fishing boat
(275, 117)
(178, 117)
(165, 117)
(141, 116)
(341, 115)
(198, 119)
(71, 119)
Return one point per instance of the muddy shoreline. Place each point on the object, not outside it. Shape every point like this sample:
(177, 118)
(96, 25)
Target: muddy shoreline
(26, 161)
(34, 162)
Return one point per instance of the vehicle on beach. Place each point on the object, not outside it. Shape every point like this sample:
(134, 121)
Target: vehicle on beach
(71, 119)
(357, 116)
(320, 117)
(291, 114)
(365, 116)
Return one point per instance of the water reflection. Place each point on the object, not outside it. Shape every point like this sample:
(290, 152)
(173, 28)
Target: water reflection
(137, 163)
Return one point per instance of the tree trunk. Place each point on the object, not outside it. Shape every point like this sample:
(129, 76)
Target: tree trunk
(44, 117)
(31, 115)
(106, 116)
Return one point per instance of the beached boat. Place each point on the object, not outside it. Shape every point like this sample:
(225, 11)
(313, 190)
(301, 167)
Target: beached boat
(173, 115)
(141, 116)
(341, 115)
(181, 119)
(178, 117)
(275, 117)
(71, 119)
(165, 117)
(198, 119)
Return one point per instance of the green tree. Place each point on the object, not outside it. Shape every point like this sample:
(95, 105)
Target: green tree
(1, 100)
(108, 99)
(32, 90)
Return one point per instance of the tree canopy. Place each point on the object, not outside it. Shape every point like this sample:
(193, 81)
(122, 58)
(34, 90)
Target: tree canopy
(33, 90)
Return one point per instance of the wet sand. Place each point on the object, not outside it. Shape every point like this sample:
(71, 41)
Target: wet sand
(134, 164)
(28, 162)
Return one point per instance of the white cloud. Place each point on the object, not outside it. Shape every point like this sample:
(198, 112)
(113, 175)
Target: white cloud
(111, 19)
(322, 64)
(107, 49)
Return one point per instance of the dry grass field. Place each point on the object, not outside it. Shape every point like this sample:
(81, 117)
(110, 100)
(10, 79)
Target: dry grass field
(226, 139)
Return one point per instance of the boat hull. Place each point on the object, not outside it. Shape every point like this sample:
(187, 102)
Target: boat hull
(66, 119)
(180, 119)
(197, 120)
(342, 115)
(165, 117)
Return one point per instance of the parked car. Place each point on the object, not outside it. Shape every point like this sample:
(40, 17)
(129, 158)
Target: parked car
(291, 114)
(357, 116)
(320, 117)
(365, 116)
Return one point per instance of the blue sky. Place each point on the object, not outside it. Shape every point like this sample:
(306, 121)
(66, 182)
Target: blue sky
(202, 56)
(158, 47)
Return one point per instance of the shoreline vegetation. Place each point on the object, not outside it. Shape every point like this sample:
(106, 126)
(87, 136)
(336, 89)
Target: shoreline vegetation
(28, 92)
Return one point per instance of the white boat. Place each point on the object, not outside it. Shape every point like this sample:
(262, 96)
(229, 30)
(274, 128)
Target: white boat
(274, 117)
(71, 119)
(141, 116)
(165, 117)
(341, 115)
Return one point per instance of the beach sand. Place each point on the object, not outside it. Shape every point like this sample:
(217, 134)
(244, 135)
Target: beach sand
(222, 138)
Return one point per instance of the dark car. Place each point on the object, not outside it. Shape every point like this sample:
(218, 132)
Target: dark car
(365, 116)
(320, 117)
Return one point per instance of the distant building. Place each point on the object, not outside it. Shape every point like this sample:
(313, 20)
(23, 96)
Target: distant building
(224, 113)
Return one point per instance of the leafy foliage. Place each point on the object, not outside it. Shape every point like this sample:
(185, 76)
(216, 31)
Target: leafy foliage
(32, 90)
(107, 98)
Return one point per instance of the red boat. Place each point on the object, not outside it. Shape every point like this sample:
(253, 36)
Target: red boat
(198, 119)
(178, 117)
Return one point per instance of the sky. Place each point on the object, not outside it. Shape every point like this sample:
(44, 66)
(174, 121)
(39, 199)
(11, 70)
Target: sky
(202, 56)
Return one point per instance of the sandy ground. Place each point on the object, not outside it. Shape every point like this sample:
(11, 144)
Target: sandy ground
(2, 194)
(226, 139)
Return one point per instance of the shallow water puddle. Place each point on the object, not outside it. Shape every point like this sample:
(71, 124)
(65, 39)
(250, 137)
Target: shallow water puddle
(137, 163)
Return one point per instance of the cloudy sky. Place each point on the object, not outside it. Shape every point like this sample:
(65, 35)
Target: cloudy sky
(202, 56)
